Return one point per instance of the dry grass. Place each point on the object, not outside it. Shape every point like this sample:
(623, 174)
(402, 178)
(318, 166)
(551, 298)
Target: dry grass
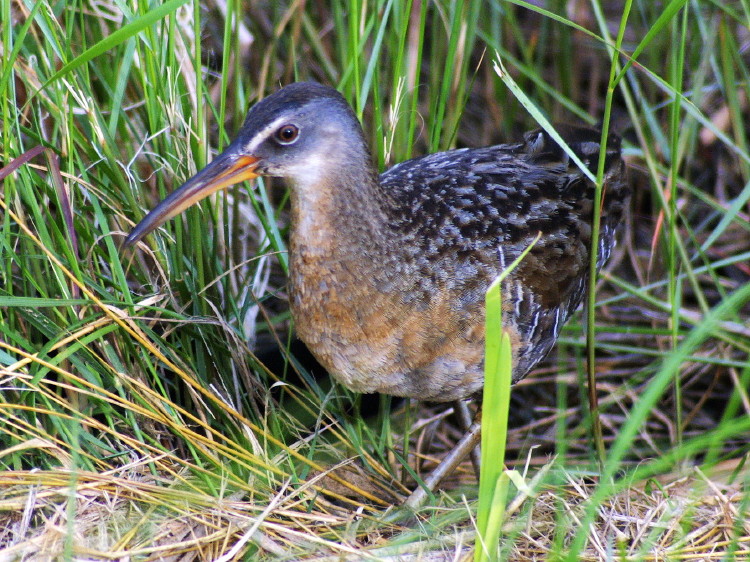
(133, 514)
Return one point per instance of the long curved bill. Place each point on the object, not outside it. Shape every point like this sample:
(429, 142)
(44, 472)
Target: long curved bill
(225, 171)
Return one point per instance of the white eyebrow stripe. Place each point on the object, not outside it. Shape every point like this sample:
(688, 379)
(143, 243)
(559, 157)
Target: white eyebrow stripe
(265, 133)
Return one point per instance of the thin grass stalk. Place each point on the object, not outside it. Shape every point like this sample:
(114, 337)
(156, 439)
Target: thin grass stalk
(595, 231)
(674, 290)
(417, 46)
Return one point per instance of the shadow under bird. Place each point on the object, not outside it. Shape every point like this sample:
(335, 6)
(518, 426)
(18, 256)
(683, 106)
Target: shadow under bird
(388, 272)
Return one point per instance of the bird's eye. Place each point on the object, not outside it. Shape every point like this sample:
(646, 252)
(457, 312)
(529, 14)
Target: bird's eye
(287, 134)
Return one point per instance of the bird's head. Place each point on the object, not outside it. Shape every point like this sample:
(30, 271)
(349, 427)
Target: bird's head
(303, 132)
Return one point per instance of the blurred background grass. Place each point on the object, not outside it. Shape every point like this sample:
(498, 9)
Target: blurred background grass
(156, 402)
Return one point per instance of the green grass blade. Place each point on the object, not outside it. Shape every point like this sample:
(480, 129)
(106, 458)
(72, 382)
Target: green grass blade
(498, 375)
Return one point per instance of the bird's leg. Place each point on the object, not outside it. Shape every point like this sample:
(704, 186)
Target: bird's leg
(463, 414)
(464, 447)
(423, 441)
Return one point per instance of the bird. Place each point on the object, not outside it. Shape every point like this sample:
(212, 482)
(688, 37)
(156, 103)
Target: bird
(388, 272)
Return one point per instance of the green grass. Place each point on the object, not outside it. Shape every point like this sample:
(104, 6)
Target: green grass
(498, 369)
(136, 381)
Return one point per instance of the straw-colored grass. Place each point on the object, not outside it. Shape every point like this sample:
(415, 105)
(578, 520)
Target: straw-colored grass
(691, 516)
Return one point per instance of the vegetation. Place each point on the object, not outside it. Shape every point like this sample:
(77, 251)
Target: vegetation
(154, 404)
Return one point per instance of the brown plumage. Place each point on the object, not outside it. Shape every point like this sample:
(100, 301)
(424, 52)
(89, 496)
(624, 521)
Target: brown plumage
(388, 273)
